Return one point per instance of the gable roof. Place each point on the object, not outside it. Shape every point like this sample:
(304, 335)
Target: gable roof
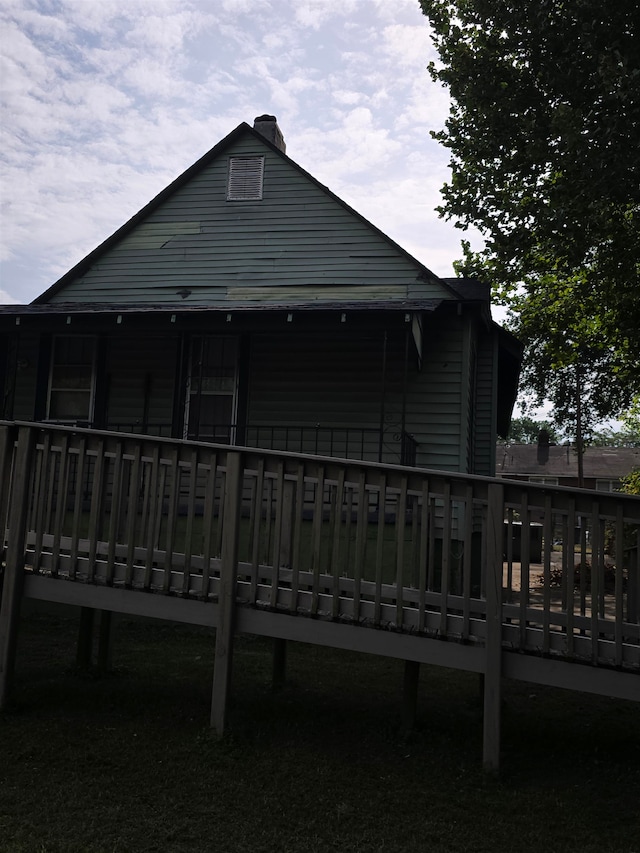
(301, 244)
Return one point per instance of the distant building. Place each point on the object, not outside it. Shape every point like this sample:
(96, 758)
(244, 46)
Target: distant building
(557, 465)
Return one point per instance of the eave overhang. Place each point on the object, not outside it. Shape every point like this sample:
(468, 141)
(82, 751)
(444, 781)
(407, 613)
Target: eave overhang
(180, 308)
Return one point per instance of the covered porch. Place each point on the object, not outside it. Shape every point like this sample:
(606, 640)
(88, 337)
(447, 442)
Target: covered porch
(344, 383)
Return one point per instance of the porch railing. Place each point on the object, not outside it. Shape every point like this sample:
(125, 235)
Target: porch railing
(363, 443)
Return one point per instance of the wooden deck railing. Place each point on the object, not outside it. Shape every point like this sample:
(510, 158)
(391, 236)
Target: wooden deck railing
(425, 554)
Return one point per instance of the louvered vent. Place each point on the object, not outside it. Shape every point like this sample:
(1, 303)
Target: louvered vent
(245, 178)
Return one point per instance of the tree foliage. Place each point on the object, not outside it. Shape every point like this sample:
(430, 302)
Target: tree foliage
(626, 436)
(631, 483)
(543, 134)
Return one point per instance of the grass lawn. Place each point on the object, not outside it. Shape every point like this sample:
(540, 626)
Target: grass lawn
(126, 761)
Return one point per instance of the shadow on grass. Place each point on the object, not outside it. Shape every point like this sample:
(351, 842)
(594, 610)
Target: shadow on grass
(126, 762)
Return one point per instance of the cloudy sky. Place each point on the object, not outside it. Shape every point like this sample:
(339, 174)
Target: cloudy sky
(104, 102)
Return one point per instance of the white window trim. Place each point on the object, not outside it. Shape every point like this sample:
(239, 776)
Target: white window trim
(92, 390)
(543, 481)
(233, 393)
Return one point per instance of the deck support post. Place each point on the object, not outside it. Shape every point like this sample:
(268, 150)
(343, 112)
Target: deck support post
(227, 591)
(105, 640)
(410, 694)
(279, 674)
(13, 582)
(493, 640)
(84, 651)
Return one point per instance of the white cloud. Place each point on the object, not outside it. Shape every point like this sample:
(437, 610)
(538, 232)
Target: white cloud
(408, 47)
(313, 13)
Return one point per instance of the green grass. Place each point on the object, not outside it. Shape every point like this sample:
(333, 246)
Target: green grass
(126, 761)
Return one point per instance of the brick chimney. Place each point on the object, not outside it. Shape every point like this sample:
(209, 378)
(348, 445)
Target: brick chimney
(544, 442)
(268, 127)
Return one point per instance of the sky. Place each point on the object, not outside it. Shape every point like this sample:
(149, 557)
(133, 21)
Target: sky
(105, 102)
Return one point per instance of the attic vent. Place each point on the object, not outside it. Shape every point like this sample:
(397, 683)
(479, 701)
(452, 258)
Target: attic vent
(245, 178)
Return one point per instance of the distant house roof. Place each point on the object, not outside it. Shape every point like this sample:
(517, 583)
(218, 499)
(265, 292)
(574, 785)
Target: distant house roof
(540, 460)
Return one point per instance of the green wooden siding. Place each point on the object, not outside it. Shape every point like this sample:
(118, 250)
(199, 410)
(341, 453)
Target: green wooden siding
(331, 380)
(305, 378)
(434, 406)
(336, 381)
(484, 407)
(298, 240)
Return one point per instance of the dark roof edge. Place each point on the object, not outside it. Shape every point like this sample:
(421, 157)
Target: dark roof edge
(39, 309)
(193, 170)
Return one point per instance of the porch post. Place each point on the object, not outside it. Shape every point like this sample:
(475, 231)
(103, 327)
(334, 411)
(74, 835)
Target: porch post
(14, 571)
(180, 386)
(227, 591)
(405, 379)
(493, 640)
(382, 394)
(99, 417)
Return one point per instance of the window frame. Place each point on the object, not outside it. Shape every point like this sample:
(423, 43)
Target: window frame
(191, 394)
(91, 390)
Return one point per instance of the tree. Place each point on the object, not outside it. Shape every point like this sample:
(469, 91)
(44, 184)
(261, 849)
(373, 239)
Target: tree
(631, 483)
(627, 436)
(543, 132)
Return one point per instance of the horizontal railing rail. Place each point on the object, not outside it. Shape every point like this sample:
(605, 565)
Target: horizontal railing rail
(392, 444)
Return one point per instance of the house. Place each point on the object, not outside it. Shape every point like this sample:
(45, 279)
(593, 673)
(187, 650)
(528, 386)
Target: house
(557, 465)
(248, 304)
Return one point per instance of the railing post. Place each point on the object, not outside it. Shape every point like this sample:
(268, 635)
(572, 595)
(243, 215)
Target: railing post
(227, 590)
(14, 571)
(279, 673)
(493, 640)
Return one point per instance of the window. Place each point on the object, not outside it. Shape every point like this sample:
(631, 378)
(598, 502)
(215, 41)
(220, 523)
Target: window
(544, 481)
(245, 178)
(71, 381)
(211, 397)
(608, 485)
